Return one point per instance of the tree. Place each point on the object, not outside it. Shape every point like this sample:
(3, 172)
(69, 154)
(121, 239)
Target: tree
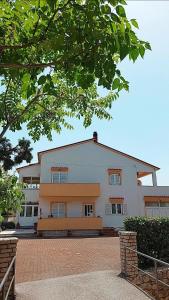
(53, 56)
(11, 156)
(11, 194)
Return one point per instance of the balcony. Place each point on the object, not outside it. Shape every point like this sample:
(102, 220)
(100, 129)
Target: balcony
(81, 223)
(69, 190)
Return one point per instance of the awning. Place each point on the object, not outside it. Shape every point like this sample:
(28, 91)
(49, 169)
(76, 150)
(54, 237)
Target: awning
(156, 199)
(116, 200)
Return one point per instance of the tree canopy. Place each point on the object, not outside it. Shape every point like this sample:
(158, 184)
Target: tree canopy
(11, 156)
(54, 54)
(11, 194)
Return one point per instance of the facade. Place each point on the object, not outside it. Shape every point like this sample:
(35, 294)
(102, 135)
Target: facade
(88, 186)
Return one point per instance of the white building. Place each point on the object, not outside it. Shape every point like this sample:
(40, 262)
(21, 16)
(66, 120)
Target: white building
(88, 186)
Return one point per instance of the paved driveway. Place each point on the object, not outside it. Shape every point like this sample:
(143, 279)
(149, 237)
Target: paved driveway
(100, 285)
(39, 259)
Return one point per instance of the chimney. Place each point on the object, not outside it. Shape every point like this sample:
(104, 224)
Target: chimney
(95, 137)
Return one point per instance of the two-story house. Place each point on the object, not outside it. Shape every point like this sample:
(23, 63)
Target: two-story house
(88, 186)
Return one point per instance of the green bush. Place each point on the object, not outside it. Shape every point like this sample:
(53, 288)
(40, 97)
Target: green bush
(7, 225)
(152, 237)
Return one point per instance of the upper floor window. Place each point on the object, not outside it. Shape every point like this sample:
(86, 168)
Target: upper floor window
(114, 176)
(31, 182)
(59, 174)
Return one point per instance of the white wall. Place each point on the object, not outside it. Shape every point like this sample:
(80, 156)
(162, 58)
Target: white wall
(31, 195)
(33, 171)
(89, 162)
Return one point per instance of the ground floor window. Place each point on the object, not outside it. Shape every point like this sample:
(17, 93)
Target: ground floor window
(157, 204)
(29, 210)
(88, 210)
(58, 210)
(117, 209)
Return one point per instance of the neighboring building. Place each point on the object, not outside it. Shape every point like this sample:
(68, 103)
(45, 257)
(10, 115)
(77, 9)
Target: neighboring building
(88, 185)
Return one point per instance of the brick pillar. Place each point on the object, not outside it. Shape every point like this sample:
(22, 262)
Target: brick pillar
(7, 252)
(128, 257)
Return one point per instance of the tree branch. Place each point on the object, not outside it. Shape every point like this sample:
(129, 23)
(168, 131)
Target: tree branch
(17, 117)
(4, 99)
(42, 37)
(27, 66)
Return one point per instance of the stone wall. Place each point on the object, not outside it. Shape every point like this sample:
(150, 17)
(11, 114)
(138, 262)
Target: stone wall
(129, 264)
(7, 252)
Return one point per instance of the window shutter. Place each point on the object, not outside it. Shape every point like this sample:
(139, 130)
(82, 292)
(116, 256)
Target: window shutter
(124, 209)
(108, 209)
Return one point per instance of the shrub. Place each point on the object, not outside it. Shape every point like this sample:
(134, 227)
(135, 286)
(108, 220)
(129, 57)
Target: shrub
(152, 237)
(7, 225)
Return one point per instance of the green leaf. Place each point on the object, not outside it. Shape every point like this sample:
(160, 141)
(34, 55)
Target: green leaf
(120, 11)
(134, 53)
(42, 80)
(115, 18)
(106, 9)
(123, 2)
(147, 45)
(141, 51)
(116, 84)
(134, 23)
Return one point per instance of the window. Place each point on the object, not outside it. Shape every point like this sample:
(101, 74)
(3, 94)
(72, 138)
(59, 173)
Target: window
(117, 209)
(114, 176)
(59, 177)
(115, 179)
(31, 182)
(58, 210)
(152, 204)
(88, 210)
(35, 212)
(164, 204)
(29, 211)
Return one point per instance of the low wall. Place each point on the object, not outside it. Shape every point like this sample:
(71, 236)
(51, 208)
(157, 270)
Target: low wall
(157, 290)
(7, 252)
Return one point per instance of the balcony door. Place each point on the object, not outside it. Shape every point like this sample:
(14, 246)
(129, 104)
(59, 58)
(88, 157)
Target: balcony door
(58, 210)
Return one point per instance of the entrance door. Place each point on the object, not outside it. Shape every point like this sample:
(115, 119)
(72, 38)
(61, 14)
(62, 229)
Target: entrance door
(29, 215)
(58, 210)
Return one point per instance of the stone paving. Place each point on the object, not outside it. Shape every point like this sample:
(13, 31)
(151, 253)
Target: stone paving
(39, 259)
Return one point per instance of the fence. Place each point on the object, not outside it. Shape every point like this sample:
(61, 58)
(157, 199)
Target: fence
(154, 281)
(7, 267)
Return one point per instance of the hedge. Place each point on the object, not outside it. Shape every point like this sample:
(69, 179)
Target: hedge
(152, 237)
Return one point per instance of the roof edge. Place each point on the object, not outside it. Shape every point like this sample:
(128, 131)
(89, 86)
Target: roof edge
(64, 146)
(30, 165)
(127, 155)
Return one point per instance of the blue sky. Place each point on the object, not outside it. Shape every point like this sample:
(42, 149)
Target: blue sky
(140, 122)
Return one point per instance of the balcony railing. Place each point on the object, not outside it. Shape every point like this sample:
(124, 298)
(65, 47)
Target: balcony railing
(79, 223)
(69, 189)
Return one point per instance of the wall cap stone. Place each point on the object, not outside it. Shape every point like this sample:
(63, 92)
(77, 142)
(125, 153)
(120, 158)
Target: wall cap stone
(8, 240)
(128, 233)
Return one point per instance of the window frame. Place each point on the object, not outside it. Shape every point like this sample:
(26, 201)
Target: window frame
(60, 173)
(92, 212)
(115, 205)
(115, 182)
(58, 209)
(115, 176)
